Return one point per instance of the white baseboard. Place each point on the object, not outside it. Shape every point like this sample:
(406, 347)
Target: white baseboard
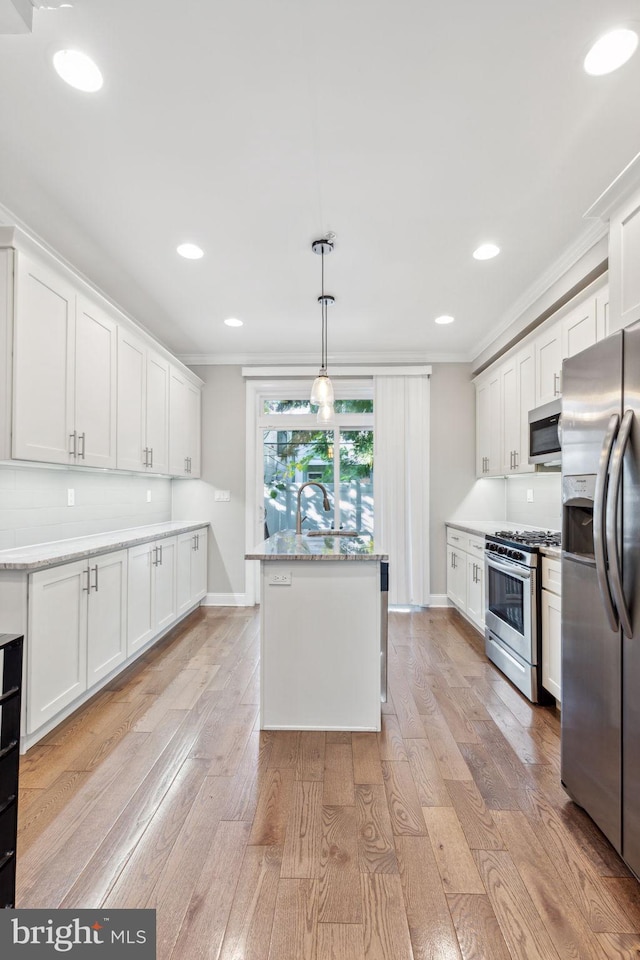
(439, 600)
(226, 600)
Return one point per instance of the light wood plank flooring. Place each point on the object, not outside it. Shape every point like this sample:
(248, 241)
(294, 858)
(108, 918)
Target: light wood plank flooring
(445, 837)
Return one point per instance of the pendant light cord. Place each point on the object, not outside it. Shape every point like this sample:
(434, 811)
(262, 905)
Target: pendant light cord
(323, 304)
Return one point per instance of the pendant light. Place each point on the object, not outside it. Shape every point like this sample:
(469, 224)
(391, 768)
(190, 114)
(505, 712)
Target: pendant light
(322, 389)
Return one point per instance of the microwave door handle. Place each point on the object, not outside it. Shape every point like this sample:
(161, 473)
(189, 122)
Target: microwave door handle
(611, 522)
(599, 521)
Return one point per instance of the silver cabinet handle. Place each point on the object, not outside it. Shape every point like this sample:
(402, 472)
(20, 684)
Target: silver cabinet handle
(145, 459)
(557, 384)
(160, 549)
(151, 457)
(155, 557)
(197, 541)
(516, 457)
(95, 585)
(73, 437)
(88, 586)
(611, 522)
(599, 521)
(81, 438)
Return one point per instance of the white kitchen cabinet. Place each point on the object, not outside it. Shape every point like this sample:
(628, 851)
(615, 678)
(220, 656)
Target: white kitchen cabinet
(191, 570)
(107, 615)
(143, 406)
(475, 591)
(548, 353)
(184, 425)
(489, 425)
(152, 602)
(465, 574)
(64, 372)
(57, 640)
(602, 313)
(551, 605)
(510, 416)
(624, 257)
(579, 328)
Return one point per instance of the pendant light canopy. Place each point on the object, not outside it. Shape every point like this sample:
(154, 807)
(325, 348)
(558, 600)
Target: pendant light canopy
(322, 389)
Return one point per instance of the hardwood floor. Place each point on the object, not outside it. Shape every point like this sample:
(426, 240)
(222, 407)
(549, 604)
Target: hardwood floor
(445, 837)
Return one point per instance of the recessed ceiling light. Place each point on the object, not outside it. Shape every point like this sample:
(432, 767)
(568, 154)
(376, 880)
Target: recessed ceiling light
(78, 70)
(445, 318)
(610, 51)
(233, 322)
(486, 251)
(190, 251)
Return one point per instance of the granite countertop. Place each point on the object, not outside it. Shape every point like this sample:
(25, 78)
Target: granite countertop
(293, 546)
(554, 553)
(51, 554)
(482, 528)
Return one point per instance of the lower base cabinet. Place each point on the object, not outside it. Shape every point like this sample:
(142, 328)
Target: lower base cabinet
(465, 574)
(551, 604)
(87, 618)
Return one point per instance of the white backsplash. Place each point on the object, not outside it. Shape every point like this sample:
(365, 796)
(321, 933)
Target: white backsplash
(546, 509)
(33, 503)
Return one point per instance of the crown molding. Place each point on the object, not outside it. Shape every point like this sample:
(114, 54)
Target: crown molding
(627, 181)
(386, 358)
(587, 239)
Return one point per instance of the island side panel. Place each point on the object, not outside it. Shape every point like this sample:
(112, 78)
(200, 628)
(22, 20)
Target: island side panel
(320, 646)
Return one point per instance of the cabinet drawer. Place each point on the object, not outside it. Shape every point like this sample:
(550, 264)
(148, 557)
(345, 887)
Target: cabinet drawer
(457, 539)
(475, 546)
(9, 775)
(552, 575)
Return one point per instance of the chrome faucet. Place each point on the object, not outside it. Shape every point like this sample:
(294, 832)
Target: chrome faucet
(325, 502)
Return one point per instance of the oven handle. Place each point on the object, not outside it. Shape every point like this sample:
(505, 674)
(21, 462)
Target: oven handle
(513, 570)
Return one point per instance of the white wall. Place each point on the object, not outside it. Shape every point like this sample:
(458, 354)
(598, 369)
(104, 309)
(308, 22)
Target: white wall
(223, 468)
(33, 503)
(546, 509)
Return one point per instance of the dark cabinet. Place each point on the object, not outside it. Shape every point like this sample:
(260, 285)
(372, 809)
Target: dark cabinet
(10, 697)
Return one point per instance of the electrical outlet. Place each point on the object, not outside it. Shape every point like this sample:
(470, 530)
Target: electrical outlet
(529, 496)
(71, 497)
(148, 496)
(280, 579)
(222, 496)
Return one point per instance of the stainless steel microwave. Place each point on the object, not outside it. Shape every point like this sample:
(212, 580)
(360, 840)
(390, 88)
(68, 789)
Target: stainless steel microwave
(545, 433)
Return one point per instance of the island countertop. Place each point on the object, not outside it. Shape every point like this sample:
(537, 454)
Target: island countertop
(293, 546)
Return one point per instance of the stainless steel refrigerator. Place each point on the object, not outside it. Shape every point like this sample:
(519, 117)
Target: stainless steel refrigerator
(601, 587)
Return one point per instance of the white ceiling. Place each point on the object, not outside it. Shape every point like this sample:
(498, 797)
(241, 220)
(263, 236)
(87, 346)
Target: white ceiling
(414, 130)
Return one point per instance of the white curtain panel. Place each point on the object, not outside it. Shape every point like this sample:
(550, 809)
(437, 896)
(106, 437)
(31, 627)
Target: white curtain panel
(401, 484)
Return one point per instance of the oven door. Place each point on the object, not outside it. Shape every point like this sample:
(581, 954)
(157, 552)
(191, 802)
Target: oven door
(510, 611)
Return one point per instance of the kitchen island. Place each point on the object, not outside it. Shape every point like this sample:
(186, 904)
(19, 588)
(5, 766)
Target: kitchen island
(322, 632)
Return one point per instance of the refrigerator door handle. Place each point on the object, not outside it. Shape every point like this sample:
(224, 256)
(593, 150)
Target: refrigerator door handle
(599, 519)
(611, 522)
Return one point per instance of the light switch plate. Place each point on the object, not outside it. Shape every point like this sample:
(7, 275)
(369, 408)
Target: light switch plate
(529, 496)
(148, 496)
(222, 495)
(71, 497)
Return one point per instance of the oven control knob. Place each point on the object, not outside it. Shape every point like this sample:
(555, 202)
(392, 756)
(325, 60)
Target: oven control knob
(514, 554)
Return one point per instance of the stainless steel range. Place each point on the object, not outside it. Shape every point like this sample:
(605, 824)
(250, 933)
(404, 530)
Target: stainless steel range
(512, 606)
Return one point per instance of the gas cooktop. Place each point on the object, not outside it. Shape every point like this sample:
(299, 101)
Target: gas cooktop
(527, 538)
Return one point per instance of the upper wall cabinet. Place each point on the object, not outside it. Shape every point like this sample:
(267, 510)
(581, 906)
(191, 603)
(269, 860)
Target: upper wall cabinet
(624, 261)
(489, 425)
(548, 347)
(64, 372)
(143, 406)
(80, 384)
(184, 426)
(518, 397)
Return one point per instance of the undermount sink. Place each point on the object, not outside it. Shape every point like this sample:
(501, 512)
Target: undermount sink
(332, 533)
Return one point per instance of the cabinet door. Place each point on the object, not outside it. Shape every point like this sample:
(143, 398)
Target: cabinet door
(164, 582)
(551, 643)
(140, 575)
(132, 385)
(548, 364)
(157, 432)
(579, 328)
(489, 425)
(510, 416)
(43, 365)
(602, 314)
(194, 399)
(199, 566)
(178, 424)
(483, 428)
(525, 365)
(96, 384)
(624, 256)
(57, 656)
(186, 548)
(107, 616)
(457, 577)
(475, 591)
